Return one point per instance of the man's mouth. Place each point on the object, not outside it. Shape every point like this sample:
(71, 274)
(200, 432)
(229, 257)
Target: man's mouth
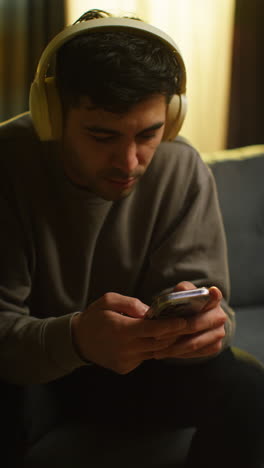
(122, 182)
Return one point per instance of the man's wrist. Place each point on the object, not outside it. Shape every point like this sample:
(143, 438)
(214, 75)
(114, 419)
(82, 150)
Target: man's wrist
(73, 326)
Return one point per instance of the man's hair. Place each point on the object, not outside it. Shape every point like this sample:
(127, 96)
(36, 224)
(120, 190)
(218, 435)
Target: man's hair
(115, 69)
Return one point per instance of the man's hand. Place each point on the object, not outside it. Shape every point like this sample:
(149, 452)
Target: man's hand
(204, 332)
(112, 333)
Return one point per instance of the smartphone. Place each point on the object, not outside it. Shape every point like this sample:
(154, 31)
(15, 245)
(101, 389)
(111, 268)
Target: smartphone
(179, 304)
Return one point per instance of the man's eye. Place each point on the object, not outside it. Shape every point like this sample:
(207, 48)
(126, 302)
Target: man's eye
(102, 139)
(148, 136)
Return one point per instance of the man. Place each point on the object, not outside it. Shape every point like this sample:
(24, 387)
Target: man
(98, 220)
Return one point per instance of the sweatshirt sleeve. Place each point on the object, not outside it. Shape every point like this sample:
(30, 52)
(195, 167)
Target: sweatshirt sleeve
(32, 350)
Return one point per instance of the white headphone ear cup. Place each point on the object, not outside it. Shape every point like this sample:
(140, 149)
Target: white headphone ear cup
(175, 116)
(45, 109)
(54, 108)
(38, 107)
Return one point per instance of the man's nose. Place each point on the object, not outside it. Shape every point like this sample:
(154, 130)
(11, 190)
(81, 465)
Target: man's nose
(126, 157)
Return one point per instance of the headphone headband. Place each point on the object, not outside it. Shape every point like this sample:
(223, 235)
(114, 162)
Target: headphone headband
(108, 24)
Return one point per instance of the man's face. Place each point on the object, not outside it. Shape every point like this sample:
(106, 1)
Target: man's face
(107, 153)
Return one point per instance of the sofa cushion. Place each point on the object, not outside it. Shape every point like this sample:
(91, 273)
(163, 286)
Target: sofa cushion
(239, 176)
(249, 334)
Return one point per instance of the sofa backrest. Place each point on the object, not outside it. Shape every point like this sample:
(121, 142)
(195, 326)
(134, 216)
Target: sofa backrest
(239, 176)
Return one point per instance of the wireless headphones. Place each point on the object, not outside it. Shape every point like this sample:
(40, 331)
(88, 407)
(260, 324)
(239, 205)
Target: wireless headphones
(44, 101)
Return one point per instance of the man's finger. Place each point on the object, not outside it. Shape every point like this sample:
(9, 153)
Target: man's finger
(184, 286)
(215, 298)
(125, 305)
(159, 328)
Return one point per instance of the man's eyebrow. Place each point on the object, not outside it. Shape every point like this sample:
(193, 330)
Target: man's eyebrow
(155, 126)
(100, 130)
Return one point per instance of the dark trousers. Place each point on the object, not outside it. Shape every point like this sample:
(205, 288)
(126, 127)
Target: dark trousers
(92, 417)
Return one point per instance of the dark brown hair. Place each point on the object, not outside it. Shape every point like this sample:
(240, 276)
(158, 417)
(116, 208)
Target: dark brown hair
(115, 69)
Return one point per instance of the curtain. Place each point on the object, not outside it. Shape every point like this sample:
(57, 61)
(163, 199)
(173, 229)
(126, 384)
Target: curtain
(26, 26)
(203, 30)
(246, 115)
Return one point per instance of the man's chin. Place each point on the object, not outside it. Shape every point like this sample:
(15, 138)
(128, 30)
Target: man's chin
(115, 190)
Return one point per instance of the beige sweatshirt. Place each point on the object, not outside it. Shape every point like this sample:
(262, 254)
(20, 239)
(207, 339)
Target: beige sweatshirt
(62, 247)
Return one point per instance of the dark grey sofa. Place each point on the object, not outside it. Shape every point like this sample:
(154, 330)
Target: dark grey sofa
(239, 176)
